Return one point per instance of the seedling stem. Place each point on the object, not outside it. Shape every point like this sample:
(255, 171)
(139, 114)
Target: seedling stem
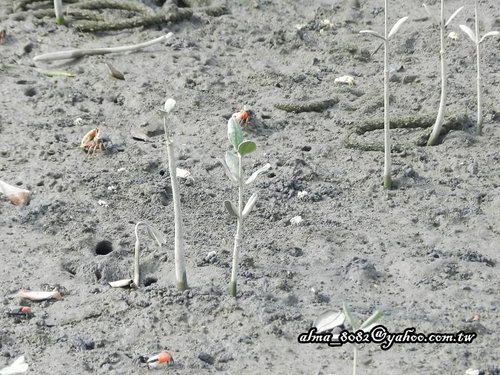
(180, 266)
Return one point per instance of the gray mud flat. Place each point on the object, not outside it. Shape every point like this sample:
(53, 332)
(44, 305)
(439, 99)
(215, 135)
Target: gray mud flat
(425, 253)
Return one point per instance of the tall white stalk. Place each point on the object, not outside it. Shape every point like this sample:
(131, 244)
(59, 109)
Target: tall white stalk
(387, 135)
(387, 129)
(479, 125)
(180, 266)
(59, 12)
(436, 130)
(477, 40)
(237, 237)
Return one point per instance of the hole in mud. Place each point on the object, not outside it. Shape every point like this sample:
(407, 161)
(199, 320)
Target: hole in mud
(150, 280)
(103, 248)
(306, 148)
(98, 274)
(271, 174)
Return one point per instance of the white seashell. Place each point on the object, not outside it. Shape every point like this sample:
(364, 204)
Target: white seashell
(302, 194)
(101, 202)
(15, 195)
(297, 220)
(39, 296)
(329, 320)
(210, 255)
(472, 371)
(125, 283)
(453, 35)
(182, 173)
(348, 80)
(17, 367)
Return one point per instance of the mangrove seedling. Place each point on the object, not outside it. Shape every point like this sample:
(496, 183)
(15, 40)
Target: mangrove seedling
(156, 236)
(59, 12)
(355, 325)
(436, 130)
(180, 263)
(474, 37)
(387, 137)
(234, 169)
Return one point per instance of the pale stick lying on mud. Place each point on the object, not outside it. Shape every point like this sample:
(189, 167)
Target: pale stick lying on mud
(77, 53)
(15, 195)
(39, 296)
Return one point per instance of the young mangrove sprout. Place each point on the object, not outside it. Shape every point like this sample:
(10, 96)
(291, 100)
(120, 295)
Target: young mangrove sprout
(436, 130)
(234, 170)
(474, 36)
(135, 282)
(180, 263)
(59, 12)
(387, 137)
(355, 325)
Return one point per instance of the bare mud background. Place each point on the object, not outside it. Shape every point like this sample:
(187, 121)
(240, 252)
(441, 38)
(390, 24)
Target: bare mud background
(424, 253)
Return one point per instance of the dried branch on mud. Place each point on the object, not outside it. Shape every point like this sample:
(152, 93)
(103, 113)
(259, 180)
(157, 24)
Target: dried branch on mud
(425, 122)
(312, 106)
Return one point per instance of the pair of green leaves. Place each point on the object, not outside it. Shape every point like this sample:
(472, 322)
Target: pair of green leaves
(393, 31)
(235, 135)
(233, 211)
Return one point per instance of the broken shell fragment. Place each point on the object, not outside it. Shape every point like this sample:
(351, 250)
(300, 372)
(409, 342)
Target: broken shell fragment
(15, 195)
(329, 320)
(125, 283)
(348, 80)
(453, 35)
(297, 220)
(17, 367)
(39, 296)
(182, 173)
(115, 73)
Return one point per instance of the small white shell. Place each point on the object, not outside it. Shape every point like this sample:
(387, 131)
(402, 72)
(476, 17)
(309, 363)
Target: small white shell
(210, 255)
(101, 202)
(39, 296)
(453, 35)
(348, 80)
(302, 194)
(15, 195)
(17, 367)
(182, 173)
(297, 220)
(125, 283)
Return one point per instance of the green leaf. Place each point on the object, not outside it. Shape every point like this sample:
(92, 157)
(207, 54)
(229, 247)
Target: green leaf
(156, 235)
(246, 147)
(231, 209)
(466, 29)
(375, 317)
(453, 16)
(232, 164)
(169, 105)
(491, 33)
(396, 27)
(234, 131)
(250, 204)
(351, 320)
(371, 32)
(257, 173)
